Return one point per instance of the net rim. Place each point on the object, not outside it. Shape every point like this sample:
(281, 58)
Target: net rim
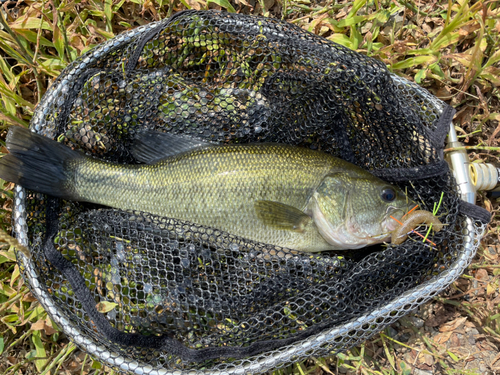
(259, 363)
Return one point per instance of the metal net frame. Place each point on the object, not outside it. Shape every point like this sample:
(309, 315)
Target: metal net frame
(236, 105)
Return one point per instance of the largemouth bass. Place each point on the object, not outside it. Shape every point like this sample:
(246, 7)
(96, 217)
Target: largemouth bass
(277, 194)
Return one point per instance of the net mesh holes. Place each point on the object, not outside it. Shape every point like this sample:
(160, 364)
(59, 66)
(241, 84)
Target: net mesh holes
(227, 78)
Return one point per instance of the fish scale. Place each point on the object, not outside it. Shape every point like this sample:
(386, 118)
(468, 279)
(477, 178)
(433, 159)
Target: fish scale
(215, 187)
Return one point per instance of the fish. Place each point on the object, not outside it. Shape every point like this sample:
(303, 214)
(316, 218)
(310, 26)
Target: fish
(282, 195)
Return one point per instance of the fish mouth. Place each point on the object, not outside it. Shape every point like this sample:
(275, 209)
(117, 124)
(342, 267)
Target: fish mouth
(393, 218)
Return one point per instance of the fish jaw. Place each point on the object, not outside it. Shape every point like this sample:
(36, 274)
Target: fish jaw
(392, 219)
(341, 237)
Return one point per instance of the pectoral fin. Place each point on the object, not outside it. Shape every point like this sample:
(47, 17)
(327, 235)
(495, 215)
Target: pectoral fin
(281, 216)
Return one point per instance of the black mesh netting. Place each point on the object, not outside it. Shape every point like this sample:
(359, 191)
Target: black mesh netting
(180, 296)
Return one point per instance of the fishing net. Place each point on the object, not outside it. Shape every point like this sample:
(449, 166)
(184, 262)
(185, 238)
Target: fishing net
(150, 294)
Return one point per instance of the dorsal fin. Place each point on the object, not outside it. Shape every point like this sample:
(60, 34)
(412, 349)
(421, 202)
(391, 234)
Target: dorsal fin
(152, 146)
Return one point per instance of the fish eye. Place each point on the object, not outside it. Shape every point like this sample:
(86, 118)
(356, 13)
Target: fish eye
(388, 194)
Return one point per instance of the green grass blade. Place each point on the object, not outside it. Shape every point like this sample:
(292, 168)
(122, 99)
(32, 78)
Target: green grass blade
(224, 4)
(40, 351)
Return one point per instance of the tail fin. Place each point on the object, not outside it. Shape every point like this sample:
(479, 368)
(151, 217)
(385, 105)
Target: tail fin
(38, 163)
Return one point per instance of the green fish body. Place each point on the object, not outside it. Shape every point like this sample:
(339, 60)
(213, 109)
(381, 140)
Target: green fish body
(277, 194)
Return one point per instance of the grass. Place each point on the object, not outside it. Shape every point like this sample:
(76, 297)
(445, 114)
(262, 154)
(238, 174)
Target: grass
(451, 48)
